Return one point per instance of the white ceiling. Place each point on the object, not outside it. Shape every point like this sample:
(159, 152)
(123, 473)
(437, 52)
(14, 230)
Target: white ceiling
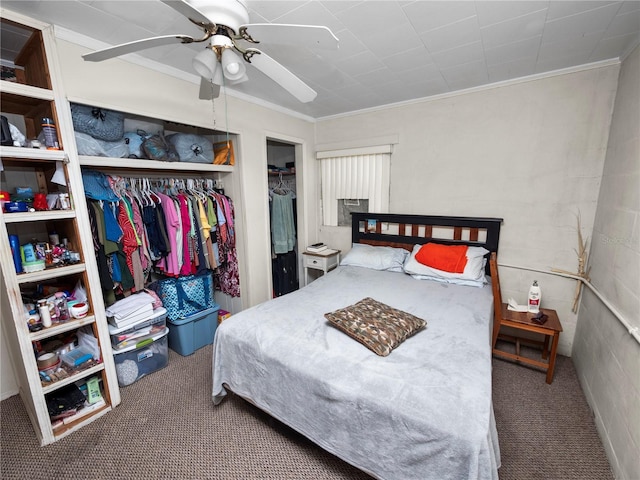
(390, 51)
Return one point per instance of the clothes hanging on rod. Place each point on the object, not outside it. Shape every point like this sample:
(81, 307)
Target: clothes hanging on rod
(283, 234)
(171, 226)
(283, 228)
(282, 185)
(282, 211)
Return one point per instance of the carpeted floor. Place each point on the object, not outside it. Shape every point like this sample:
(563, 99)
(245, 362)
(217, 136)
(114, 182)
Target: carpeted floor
(168, 428)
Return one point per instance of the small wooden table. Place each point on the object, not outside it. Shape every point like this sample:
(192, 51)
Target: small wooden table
(325, 260)
(522, 321)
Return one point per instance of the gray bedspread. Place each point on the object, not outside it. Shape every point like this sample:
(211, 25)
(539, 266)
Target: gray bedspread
(423, 412)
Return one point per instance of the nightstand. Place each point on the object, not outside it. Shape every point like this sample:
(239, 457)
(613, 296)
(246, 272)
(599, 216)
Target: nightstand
(326, 260)
(522, 321)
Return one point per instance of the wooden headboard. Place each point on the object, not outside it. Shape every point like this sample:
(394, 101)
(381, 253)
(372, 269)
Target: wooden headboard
(404, 231)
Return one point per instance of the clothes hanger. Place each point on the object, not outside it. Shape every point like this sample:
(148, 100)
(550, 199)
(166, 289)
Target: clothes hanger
(133, 191)
(145, 192)
(280, 188)
(155, 199)
(195, 188)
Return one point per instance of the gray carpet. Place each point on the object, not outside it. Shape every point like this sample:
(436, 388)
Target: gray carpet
(167, 428)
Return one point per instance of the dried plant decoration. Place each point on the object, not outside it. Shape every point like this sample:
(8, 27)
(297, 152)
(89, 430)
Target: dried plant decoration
(582, 265)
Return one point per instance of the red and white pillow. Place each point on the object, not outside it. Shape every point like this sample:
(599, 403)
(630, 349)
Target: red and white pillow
(459, 264)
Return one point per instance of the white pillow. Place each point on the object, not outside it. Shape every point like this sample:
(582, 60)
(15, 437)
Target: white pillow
(473, 273)
(453, 281)
(376, 258)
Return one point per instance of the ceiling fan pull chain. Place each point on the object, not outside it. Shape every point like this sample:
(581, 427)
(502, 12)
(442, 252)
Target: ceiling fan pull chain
(213, 106)
(226, 120)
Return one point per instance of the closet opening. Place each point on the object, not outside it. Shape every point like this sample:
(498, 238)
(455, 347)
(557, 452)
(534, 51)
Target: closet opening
(281, 171)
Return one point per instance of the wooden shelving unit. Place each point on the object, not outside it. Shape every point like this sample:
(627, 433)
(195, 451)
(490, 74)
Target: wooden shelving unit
(38, 93)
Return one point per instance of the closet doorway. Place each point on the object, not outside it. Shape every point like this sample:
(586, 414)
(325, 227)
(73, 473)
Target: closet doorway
(283, 216)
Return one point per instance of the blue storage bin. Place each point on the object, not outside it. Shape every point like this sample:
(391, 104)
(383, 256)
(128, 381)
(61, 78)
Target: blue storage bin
(193, 332)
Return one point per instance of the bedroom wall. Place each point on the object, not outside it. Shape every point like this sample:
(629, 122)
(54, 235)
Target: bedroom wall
(606, 356)
(531, 153)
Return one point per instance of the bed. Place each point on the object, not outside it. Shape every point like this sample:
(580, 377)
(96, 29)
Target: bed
(424, 411)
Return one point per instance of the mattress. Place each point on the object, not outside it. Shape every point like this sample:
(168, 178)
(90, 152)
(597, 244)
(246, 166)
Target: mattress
(423, 412)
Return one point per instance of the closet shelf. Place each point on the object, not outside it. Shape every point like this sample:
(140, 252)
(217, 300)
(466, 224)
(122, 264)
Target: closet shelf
(61, 328)
(50, 273)
(74, 425)
(23, 90)
(48, 215)
(142, 164)
(36, 154)
(87, 372)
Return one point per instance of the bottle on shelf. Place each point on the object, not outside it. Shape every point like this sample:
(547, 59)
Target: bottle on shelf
(50, 134)
(54, 238)
(533, 304)
(14, 241)
(45, 314)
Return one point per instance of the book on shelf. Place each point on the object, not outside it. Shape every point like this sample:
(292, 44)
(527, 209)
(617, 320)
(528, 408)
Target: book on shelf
(316, 247)
(76, 414)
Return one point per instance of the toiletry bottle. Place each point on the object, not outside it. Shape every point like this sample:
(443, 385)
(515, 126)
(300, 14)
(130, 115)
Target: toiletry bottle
(54, 238)
(535, 295)
(61, 307)
(50, 134)
(14, 241)
(45, 314)
(29, 252)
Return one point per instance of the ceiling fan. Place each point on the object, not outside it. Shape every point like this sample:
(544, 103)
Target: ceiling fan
(225, 24)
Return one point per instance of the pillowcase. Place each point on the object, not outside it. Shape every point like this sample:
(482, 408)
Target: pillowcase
(376, 258)
(377, 326)
(472, 275)
(450, 258)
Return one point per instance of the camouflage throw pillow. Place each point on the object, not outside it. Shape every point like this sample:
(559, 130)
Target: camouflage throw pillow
(377, 326)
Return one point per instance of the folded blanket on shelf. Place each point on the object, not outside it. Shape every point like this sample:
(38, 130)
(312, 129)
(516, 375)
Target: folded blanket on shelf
(130, 305)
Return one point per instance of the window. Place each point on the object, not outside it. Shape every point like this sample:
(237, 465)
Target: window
(349, 176)
(346, 206)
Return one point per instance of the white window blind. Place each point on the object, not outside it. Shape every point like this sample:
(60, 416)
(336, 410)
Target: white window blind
(355, 174)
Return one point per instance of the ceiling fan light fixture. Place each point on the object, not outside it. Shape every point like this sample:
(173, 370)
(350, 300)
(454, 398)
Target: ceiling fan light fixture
(206, 63)
(218, 78)
(242, 79)
(232, 65)
(225, 25)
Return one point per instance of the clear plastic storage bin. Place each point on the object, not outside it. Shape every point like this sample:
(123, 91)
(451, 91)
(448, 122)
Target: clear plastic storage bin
(141, 359)
(134, 334)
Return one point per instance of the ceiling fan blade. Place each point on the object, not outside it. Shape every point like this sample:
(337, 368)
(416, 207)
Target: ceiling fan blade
(283, 77)
(136, 46)
(187, 10)
(310, 36)
(208, 90)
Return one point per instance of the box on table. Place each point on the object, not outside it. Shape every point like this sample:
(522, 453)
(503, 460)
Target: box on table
(141, 359)
(193, 332)
(134, 334)
(223, 315)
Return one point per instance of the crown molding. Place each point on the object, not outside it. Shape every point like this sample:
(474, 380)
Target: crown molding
(481, 88)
